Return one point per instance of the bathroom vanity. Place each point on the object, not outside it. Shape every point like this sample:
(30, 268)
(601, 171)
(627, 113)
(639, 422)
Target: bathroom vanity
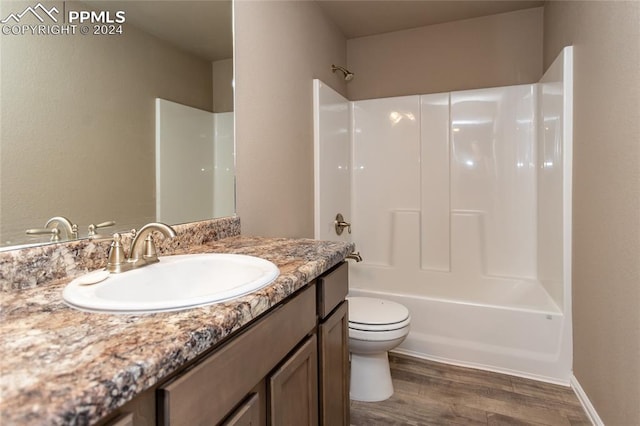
(299, 377)
(276, 356)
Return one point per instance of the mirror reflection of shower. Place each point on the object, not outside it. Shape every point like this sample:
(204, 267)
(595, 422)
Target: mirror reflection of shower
(194, 163)
(348, 75)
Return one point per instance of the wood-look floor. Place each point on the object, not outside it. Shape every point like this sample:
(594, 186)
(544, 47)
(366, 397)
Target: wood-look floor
(431, 393)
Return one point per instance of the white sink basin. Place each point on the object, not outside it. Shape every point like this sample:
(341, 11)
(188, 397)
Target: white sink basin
(175, 283)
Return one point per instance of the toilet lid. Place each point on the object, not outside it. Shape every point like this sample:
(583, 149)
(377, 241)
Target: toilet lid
(369, 310)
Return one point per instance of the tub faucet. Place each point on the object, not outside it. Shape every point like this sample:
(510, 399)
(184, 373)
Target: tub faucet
(355, 256)
(143, 250)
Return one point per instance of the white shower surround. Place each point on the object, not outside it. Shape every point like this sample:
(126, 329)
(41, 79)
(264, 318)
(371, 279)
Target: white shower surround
(461, 206)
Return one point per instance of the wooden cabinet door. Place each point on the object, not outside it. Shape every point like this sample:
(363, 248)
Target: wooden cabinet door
(124, 420)
(334, 368)
(141, 411)
(248, 414)
(293, 396)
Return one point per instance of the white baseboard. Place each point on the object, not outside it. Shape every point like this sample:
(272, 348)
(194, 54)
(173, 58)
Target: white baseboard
(586, 404)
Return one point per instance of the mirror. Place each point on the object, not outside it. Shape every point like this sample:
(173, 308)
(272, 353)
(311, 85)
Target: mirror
(78, 88)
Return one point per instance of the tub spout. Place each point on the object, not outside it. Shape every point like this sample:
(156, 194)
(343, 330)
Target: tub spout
(355, 256)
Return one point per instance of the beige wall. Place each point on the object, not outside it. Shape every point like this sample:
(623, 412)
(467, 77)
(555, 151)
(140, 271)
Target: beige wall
(498, 50)
(280, 47)
(78, 125)
(606, 199)
(283, 45)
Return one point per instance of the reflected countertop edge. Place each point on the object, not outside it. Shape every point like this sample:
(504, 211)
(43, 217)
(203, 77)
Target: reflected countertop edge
(63, 366)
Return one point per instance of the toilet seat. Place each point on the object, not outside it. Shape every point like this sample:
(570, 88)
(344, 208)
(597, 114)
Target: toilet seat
(379, 327)
(368, 314)
(378, 336)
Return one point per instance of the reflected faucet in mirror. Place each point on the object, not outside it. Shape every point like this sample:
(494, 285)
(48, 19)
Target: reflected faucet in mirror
(53, 227)
(143, 250)
(92, 228)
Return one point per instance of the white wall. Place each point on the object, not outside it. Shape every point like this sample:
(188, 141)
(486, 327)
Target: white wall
(493, 175)
(224, 182)
(332, 161)
(473, 183)
(184, 163)
(435, 220)
(386, 173)
(554, 158)
(194, 163)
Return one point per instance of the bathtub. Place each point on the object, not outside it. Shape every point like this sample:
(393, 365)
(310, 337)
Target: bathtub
(508, 326)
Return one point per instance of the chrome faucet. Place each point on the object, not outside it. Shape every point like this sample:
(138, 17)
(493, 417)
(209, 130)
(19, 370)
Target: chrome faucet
(70, 229)
(143, 250)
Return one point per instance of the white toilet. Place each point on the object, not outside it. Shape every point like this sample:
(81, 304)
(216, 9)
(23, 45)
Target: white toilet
(375, 327)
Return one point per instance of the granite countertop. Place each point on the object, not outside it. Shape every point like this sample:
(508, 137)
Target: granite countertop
(63, 366)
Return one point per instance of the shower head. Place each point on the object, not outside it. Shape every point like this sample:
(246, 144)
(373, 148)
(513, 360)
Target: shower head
(348, 75)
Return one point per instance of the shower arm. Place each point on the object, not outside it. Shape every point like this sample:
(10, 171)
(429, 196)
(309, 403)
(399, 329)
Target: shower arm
(348, 75)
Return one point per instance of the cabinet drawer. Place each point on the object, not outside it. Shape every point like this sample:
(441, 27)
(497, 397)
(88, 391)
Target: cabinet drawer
(207, 393)
(332, 289)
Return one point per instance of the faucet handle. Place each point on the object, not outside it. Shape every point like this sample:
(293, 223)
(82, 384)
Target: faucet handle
(340, 224)
(150, 254)
(117, 257)
(92, 228)
(55, 232)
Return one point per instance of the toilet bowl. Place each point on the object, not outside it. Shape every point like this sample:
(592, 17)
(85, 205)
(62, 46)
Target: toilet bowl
(375, 327)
